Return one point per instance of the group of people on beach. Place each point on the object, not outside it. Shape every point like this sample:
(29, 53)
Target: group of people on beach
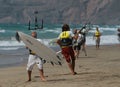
(70, 44)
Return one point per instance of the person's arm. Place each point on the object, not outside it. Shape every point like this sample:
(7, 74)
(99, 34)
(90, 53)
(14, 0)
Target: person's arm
(82, 28)
(58, 42)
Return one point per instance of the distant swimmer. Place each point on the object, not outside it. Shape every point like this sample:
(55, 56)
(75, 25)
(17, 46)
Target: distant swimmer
(97, 35)
(118, 34)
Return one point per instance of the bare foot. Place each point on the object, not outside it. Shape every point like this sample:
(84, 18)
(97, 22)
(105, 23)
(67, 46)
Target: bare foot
(43, 79)
(74, 73)
(28, 80)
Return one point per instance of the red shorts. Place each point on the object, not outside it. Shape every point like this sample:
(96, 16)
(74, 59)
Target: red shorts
(68, 53)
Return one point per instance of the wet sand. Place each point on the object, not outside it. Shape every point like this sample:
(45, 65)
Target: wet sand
(100, 68)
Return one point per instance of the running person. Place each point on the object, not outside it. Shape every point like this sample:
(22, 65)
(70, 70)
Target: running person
(77, 42)
(65, 42)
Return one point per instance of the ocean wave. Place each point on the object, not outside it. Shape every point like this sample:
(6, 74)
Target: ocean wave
(105, 40)
(14, 45)
(50, 32)
(9, 48)
(10, 43)
(2, 31)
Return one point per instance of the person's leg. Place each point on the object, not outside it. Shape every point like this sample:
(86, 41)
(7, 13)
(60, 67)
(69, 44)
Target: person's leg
(73, 60)
(84, 49)
(71, 67)
(77, 53)
(29, 75)
(42, 75)
(98, 43)
(75, 50)
(73, 64)
(67, 55)
(40, 66)
(30, 65)
(78, 50)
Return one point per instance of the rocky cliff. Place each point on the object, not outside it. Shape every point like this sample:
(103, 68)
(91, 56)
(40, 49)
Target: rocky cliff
(61, 11)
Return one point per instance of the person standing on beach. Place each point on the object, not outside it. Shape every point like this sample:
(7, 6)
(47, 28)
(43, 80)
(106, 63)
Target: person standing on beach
(84, 31)
(97, 35)
(34, 59)
(65, 42)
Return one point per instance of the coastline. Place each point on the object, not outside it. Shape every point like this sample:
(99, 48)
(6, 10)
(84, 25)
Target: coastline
(100, 68)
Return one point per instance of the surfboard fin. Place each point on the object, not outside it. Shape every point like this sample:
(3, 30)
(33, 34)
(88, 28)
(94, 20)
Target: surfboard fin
(44, 61)
(58, 57)
(60, 63)
(17, 37)
(52, 63)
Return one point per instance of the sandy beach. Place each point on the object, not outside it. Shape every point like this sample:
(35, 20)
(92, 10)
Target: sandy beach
(100, 68)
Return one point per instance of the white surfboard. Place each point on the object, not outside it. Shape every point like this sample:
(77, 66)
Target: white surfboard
(40, 49)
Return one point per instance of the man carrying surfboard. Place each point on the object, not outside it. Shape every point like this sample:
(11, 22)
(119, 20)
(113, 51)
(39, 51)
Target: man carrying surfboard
(65, 42)
(34, 59)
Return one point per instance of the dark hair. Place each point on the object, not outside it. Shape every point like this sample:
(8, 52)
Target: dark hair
(65, 27)
(35, 34)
